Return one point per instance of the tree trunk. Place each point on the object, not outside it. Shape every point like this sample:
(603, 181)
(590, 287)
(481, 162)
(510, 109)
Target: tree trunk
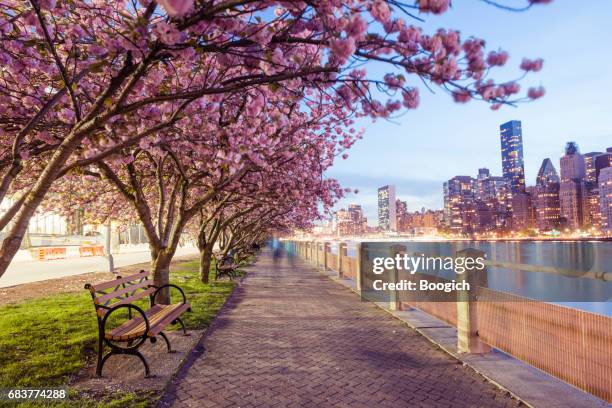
(161, 274)
(12, 242)
(205, 261)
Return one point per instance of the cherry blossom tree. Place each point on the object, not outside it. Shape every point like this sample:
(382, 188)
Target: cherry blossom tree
(82, 81)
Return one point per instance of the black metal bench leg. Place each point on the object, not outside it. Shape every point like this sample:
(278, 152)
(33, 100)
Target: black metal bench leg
(178, 319)
(100, 360)
(144, 361)
(167, 341)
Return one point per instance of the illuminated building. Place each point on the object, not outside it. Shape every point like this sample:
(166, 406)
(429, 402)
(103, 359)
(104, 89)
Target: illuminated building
(572, 191)
(401, 209)
(351, 221)
(512, 154)
(593, 206)
(546, 197)
(572, 164)
(523, 211)
(547, 173)
(589, 167)
(343, 223)
(387, 215)
(548, 207)
(458, 202)
(602, 161)
(605, 199)
(424, 222)
(572, 200)
(484, 217)
(359, 222)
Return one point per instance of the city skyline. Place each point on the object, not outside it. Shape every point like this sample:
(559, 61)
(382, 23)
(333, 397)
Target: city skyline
(577, 200)
(371, 210)
(419, 151)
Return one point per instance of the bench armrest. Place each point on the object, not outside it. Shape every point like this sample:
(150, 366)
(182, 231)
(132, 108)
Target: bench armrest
(169, 285)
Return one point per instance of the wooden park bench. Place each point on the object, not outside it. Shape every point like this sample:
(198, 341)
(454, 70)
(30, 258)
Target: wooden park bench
(121, 294)
(225, 266)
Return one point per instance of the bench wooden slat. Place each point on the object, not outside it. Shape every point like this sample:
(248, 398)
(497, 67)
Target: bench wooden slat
(153, 318)
(159, 317)
(167, 319)
(110, 284)
(123, 291)
(133, 323)
(127, 300)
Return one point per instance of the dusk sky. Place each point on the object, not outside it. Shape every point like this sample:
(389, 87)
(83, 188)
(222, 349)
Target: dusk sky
(441, 139)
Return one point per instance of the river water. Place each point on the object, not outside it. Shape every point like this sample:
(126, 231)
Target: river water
(560, 272)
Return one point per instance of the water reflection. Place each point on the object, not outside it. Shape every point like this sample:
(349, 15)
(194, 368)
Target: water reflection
(520, 266)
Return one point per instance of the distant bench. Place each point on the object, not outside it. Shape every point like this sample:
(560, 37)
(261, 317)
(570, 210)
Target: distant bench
(121, 293)
(225, 265)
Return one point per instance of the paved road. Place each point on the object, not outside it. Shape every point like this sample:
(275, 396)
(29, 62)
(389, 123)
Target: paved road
(291, 337)
(33, 271)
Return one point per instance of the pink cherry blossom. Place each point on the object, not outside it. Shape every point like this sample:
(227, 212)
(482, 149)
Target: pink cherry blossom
(48, 4)
(380, 11)
(434, 6)
(497, 58)
(535, 93)
(167, 33)
(176, 7)
(411, 98)
(342, 49)
(256, 105)
(532, 65)
(462, 96)
(264, 92)
(356, 27)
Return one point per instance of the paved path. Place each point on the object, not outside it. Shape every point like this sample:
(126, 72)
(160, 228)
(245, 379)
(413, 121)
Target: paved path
(291, 337)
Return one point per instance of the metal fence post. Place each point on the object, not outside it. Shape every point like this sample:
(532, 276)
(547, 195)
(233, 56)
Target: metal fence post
(393, 277)
(339, 260)
(325, 255)
(358, 266)
(467, 305)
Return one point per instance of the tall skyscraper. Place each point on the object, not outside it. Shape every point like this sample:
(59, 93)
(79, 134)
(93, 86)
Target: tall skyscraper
(387, 214)
(547, 173)
(547, 205)
(573, 191)
(512, 154)
(481, 184)
(459, 195)
(572, 163)
(593, 207)
(589, 166)
(605, 199)
(603, 161)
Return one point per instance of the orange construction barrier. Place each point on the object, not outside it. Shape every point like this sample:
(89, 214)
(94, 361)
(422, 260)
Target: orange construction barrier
(45, 254)
(91, 250)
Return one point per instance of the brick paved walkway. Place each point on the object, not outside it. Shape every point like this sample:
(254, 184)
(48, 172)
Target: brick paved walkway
(291, 337)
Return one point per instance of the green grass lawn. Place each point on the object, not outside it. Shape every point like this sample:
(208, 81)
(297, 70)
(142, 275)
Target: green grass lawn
(46, 341)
